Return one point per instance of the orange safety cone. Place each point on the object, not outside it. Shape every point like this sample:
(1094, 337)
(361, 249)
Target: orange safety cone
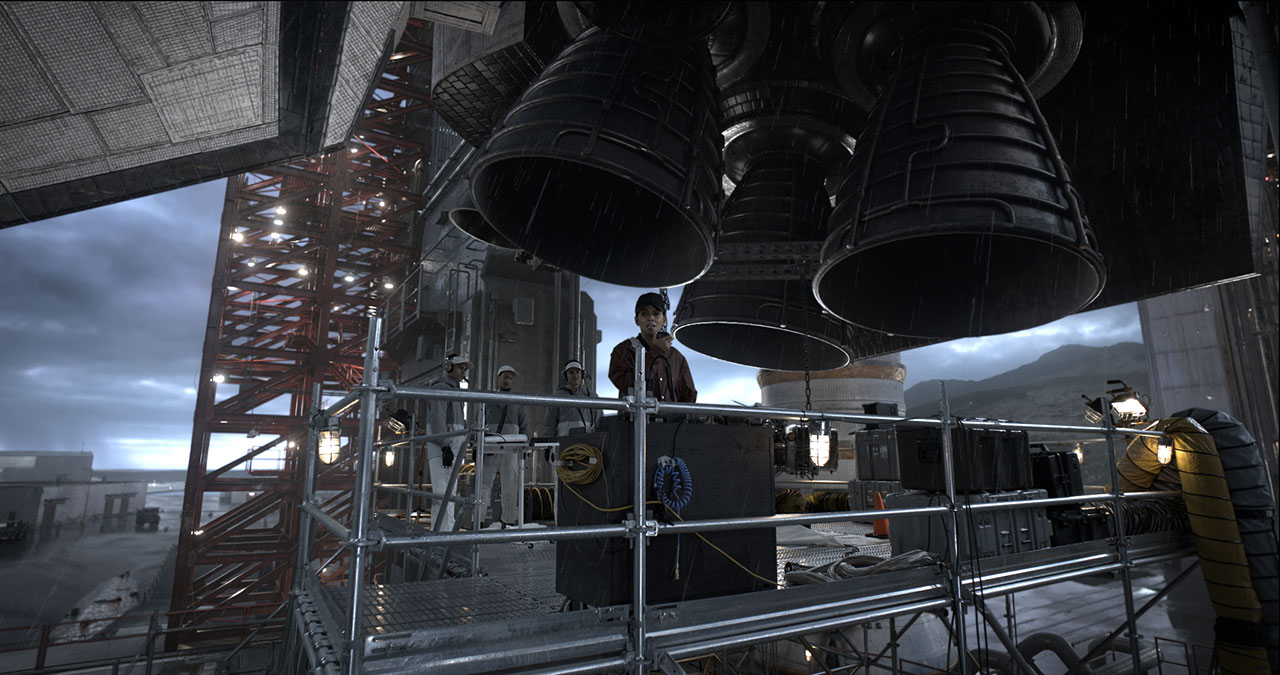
(881, 526)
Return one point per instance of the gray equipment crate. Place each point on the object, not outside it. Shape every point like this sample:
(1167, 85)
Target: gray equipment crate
(994, 532)
(862, 494)
(877, 453)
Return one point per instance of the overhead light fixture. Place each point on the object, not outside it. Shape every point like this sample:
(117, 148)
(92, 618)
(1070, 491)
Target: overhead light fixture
(303, 271)
(237, 236)
(277, 222)
(1164, 449)
(389, 457)
(233, 288)
(219, 378)
(330, 443)
(387, 284)
(280, 211)
(349, 278)
(251, 264)
(354, 150)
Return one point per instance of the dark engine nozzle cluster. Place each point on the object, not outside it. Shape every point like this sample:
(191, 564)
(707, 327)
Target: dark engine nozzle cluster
(608, 165)
(737, 313)
(958, 217)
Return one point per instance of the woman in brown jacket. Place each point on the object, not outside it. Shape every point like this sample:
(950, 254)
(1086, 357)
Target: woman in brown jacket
(667, 373)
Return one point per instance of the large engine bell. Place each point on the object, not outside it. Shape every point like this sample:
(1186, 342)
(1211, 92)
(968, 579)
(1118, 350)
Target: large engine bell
(958, 217)
(609, 164)
(737, 313)
(469, 219)
(658, 21)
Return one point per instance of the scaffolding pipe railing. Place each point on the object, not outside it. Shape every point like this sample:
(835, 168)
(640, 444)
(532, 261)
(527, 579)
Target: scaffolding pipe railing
(639, 528)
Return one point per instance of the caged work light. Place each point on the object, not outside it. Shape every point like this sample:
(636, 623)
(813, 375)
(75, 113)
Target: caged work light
(330, 445)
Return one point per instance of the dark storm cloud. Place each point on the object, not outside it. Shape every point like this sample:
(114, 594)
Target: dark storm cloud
(101, 324)
(980, 358)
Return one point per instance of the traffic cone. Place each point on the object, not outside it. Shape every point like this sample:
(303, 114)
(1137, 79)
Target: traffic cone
(881, 526)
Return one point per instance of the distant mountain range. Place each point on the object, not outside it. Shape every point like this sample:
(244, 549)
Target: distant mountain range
(1047, 390)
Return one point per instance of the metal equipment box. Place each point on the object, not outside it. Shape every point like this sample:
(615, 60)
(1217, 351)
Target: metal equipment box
(877, 453)
(982, 533)
(731, 467)
(1058, 473)
(862, 494)
(984, 459)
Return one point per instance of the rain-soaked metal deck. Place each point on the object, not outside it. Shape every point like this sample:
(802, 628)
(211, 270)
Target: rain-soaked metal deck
(519, 581)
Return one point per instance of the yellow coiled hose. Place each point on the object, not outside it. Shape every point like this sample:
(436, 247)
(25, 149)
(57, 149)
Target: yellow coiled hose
(1213, 523)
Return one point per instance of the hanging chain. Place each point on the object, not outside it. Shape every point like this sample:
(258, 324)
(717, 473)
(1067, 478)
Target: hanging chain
(808, 393)
(666, 301)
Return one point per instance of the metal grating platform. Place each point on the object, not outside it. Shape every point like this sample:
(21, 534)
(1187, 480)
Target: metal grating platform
(519, 581)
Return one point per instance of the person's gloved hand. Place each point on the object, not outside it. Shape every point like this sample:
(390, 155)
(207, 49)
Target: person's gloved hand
(446, 456)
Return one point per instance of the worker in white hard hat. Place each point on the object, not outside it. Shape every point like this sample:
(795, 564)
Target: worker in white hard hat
(565, 420)
(443, 416)
(506, 419)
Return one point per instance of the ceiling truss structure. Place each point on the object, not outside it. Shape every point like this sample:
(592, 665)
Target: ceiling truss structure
(307, 249)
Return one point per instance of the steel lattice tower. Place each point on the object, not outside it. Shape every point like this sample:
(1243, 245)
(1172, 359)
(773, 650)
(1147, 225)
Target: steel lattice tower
(307, 248)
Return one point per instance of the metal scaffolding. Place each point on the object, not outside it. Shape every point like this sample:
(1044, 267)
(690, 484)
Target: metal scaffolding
(332, 631)
(307, 250)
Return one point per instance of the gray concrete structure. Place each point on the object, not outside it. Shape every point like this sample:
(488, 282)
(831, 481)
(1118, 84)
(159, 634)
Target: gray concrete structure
(148, 96)
(47, 504)
(46, 467)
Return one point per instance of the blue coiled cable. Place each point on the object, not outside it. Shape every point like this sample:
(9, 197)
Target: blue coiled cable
(674, 485)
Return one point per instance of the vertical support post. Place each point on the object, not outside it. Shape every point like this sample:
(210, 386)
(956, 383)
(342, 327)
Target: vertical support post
(948, 467)
(893, 645)
(411, 467)
(1122, 545)
(153, 632)
(478, 517)
(362, 494)
(640, 541)
(42, 652)
(307, 531)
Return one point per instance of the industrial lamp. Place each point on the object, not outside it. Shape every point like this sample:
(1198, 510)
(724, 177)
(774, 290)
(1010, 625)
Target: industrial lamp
(1164, 450)
(822, 442)
(330, 445)
(1125, 403)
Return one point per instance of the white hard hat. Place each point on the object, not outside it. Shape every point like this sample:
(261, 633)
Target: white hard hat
(507, 369)
(573, 363)
(454, 359)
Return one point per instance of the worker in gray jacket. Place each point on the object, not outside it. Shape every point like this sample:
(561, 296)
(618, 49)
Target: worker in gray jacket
(565, 420)
(506, 419)
(445, 416)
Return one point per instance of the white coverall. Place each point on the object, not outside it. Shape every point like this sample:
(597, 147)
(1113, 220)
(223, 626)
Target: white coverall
(502, 418)
(444, 416)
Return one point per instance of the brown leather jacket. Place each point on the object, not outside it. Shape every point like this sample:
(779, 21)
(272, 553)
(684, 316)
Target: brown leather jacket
(667, 373)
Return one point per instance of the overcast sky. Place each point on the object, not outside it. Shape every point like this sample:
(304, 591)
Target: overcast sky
(102, 322)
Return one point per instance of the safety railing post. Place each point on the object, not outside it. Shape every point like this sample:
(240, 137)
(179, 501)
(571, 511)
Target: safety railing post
(949, 472)
(362, 495)
(477, 518)
(306, 529)
(1122, 545)
(640, 541)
